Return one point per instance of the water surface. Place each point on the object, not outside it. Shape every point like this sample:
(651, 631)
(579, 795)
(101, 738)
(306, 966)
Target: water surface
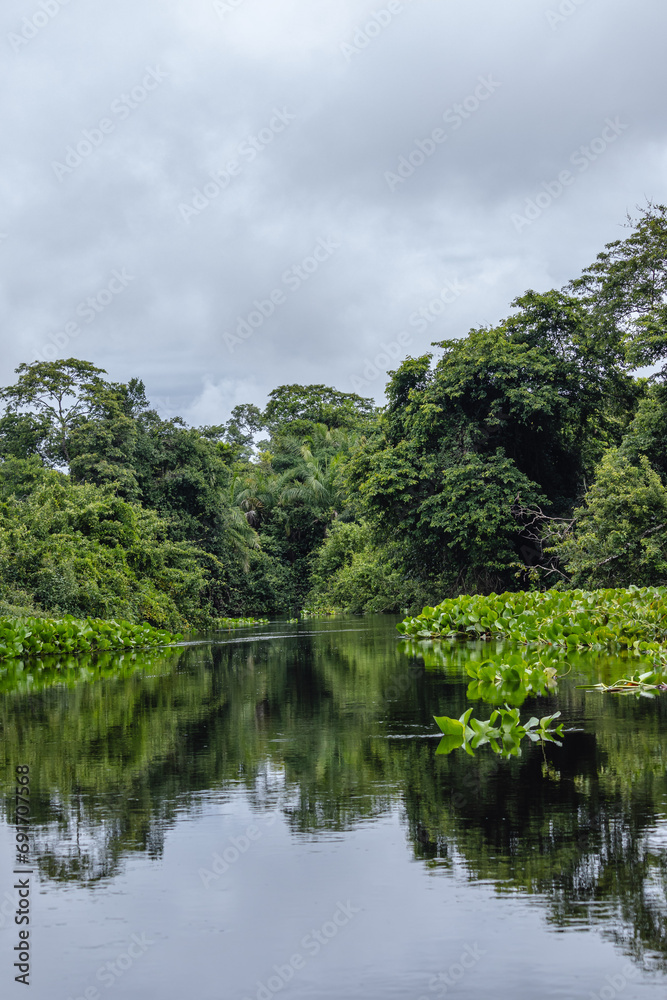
(264, 814)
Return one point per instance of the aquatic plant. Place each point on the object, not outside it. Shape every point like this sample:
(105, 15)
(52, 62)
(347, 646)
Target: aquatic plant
(25, 637)
(229, 623)
(503, 732)
(635, 618)
(510, 678)
(646, 684)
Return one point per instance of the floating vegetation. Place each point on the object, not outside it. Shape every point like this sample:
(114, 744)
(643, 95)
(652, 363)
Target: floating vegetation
(633, 619)
(229, 623)
(646, 684)
(500, 676)
(503, 732)
(510, 678)
(26, 637)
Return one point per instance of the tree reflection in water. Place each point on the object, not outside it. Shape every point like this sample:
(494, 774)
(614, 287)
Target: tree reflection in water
(310, 725)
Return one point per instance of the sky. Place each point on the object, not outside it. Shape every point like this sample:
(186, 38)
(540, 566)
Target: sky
(223, 196)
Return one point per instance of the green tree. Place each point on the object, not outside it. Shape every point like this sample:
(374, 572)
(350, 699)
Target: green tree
(103, 441)
(518, 411)
(60, 391)
(625, 290)
(82, 550)
(620, 532)
(647, 433)
(246, 420)
(297, 407)
(23, 435)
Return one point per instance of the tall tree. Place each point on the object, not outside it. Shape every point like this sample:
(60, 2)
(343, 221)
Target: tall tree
(625, 290)
(298, 407)
(58, 390)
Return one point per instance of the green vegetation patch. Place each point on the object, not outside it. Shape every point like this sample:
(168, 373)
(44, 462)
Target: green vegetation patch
(634, 619)
(229, 623)
(645, 684)
(503, 732)
(511, 678)
(24, 637)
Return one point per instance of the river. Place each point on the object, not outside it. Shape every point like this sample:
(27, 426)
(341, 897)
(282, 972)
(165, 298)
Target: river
(263, 813)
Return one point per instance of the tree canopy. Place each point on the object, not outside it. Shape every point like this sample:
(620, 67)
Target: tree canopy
(522, 454)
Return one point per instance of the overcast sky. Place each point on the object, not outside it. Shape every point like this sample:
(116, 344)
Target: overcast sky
(222, 197)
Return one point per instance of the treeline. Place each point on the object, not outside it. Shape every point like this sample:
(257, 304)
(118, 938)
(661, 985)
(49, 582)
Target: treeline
(525, 454)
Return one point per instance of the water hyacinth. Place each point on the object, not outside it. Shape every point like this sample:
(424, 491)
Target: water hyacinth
(26, 637)
(633, 619)
(230, 623)
(503, 732)
(511, 678)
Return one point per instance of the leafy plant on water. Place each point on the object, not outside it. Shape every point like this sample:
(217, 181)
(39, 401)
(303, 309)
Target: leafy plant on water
(634, 619)
(503, 732)
(500, 677)
(645, 685)
(496, 682)
(230, 623)
(25, 637)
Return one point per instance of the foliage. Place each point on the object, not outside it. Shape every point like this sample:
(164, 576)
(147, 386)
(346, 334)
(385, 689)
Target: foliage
(625, 290)
(231, 623)
(318, 611)
(504, 738)
(635, 618)
(647, 432)
(640, 684)
(511, 678)
(22, 435)
(502, 676)
(81, 550)
(522, 454)
(352, 573)
(23, 637)
(297, 408)
(59, 391)
(246, 420)
(519, 410)
(620, 533)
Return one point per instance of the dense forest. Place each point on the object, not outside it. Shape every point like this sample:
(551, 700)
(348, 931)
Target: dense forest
(522, 455)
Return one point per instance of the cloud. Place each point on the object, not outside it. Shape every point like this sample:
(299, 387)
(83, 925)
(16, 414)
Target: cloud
(224, 76)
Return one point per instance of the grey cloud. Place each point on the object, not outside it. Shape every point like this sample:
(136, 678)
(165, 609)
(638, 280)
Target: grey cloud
(450, 220)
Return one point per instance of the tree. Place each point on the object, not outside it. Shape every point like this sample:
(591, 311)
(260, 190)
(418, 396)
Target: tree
(295, 408)
(625, 290)
(23, 435)
(620, 532)
(246, 420)
(517, 410)
(647, 433)
(58, 390)
(82, 550)
(103, 440)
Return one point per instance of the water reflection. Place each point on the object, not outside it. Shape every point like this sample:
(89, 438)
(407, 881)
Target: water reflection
(309, 724)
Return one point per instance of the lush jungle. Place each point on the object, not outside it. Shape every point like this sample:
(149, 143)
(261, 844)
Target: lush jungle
(526, 455)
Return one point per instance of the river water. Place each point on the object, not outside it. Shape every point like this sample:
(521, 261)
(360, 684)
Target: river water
(264, 814)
